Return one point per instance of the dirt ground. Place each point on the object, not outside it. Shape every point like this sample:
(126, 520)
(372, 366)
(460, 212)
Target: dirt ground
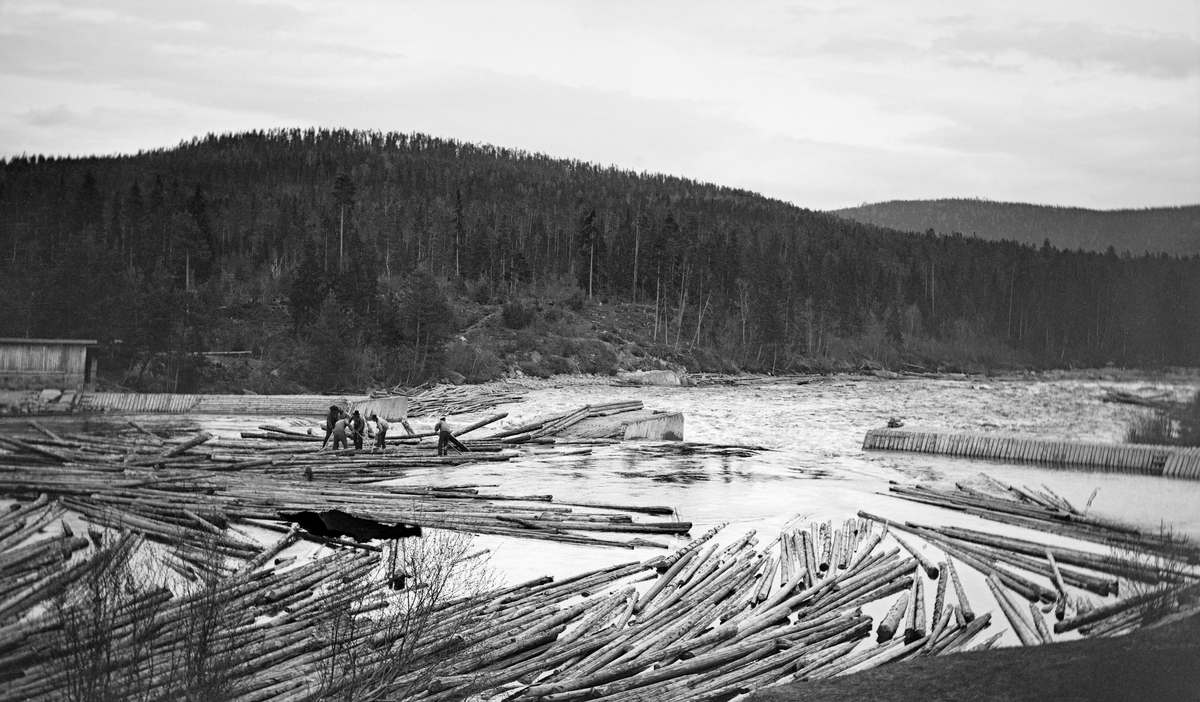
(1160, 664)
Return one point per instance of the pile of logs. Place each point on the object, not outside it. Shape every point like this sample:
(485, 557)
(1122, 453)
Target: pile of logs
(1044, 510)
(276, 448)
(202, 485)
(707, 379)
(706, 622)
(709, 621)
(542, 430)
(703, 623)
(454, 399)
(1149, 574)
(556, 424)
(1163, 401)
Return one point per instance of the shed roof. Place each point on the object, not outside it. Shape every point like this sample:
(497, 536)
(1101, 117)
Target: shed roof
(84, 342)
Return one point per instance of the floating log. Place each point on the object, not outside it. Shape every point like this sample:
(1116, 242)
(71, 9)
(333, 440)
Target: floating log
(481, 423)
(189, 444)
(1039, 622)
(1012, 611)
(963, 605)
(1100, 613)
(963, 636)
(891, 622)
(930, 569)
(938, 630)
(940, 598)
(1060, 609)
(916, 621)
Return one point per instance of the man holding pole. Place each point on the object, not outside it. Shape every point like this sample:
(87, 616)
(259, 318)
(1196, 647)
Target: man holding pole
(335, 413)
(381, 429)
(359, 427)
(446, 438)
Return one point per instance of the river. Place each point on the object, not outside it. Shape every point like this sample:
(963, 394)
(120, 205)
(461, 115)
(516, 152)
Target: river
(812, 466)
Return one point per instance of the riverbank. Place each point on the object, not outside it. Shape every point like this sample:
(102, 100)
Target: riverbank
(1159, 663)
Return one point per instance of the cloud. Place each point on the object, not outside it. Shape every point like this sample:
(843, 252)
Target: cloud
(48, 117)
(825, 106)
(1076, 45)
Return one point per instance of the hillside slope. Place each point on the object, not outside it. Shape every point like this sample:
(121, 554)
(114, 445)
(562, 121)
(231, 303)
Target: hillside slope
(364, 258)
(1172, 230)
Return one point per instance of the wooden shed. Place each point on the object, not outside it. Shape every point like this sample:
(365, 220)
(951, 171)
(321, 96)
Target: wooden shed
(46, 363)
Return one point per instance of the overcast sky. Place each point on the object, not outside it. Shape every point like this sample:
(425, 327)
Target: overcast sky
(824, 104)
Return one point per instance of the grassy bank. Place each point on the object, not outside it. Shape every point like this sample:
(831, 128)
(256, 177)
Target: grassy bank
(1150, 664)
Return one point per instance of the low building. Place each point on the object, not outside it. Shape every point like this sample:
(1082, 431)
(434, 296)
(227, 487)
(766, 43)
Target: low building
(47, 363)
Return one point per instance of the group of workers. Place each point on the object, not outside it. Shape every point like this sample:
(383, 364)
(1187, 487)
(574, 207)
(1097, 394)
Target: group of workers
(345, 428)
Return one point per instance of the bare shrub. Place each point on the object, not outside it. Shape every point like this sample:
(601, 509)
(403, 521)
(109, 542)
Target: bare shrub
(1154, 428)
(106, 626)
(203, 659)
(1165, 561)
(385, 643)
(518, 314)
(123, 636)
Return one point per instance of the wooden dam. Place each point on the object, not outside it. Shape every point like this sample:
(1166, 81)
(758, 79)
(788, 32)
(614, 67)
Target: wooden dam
(179, 403)
(1168, 461)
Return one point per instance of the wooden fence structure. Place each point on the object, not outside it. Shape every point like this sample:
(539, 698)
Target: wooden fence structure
(172, 403)
(1168, 461)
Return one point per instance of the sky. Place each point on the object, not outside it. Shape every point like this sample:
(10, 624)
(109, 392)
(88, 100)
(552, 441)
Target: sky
(1087, 103)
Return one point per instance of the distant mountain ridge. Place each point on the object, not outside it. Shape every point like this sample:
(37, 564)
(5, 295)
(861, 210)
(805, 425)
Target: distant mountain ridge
(1172, 230)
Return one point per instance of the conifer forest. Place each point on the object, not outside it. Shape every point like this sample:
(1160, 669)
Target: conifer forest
(368, 257)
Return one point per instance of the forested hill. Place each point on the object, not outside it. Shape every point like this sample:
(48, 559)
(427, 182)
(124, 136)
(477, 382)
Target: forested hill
(341, 259)
(1172, 230)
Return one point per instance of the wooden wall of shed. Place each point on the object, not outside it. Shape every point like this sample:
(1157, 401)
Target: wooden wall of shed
(42, 364)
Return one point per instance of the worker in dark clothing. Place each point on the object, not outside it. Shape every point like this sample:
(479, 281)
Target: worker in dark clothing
(358, 425)
(340, 428)
(335, 413)
(381, 429)
(446, 438)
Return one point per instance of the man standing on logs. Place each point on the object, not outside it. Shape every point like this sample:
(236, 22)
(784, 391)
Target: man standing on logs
(340, 427)
(446, 438)
(381, 429)
(335, 413)
(359, 425)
